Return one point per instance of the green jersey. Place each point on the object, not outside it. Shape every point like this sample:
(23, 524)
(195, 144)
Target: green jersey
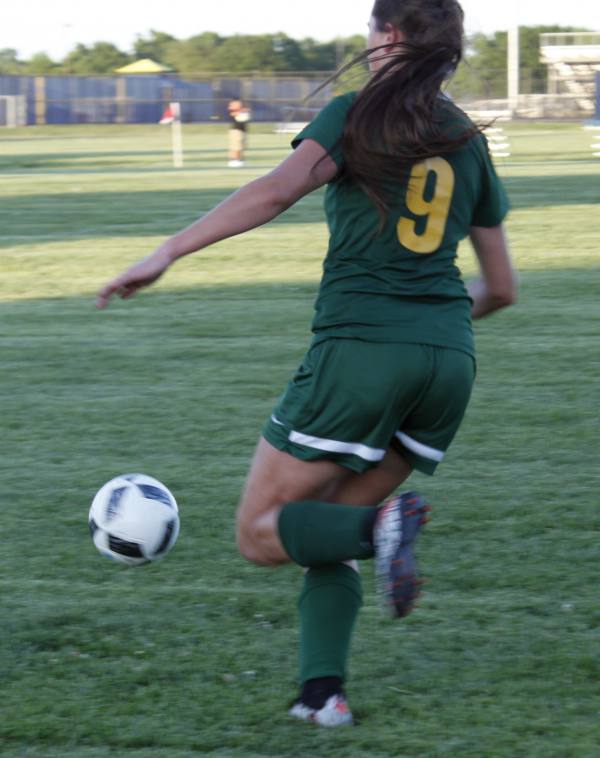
(403, 285)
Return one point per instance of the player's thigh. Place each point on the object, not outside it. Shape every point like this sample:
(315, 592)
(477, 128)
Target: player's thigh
(372, 486)
(276, 478)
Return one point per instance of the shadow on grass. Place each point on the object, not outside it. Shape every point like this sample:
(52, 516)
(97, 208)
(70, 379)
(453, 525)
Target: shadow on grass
(84, 215)
(544, 191)
(211, 313)
(231, 310)
(81, 215)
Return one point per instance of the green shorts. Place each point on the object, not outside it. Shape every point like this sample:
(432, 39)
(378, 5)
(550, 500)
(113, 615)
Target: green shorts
(351, 400)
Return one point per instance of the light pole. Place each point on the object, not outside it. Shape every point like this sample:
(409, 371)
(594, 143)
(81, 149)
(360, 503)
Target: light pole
(513, 69)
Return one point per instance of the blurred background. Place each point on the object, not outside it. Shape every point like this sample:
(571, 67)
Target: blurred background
(528, 60)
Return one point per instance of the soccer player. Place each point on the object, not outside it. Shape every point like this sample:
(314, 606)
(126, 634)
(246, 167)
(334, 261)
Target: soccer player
(386, 380)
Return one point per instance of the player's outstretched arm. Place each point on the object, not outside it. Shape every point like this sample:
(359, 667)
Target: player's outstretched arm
(497, 287)
(306, 169)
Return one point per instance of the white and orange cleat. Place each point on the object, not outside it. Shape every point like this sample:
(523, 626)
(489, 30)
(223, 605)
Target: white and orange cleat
(335, 712)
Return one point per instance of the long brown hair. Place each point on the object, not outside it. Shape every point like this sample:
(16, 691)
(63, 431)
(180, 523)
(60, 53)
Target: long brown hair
(397, 118)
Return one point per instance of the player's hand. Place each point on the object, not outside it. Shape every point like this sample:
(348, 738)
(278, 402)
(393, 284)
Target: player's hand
(141, 274)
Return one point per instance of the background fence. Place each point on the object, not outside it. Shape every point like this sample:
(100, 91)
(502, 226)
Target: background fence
(142, 99)
(272, 98)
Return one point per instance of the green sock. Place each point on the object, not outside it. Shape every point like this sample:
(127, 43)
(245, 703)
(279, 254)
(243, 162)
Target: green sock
(328, 605)
(318, 534)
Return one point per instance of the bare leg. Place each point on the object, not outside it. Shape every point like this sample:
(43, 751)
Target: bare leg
(373, 486)
(277, 478)
(332, 596)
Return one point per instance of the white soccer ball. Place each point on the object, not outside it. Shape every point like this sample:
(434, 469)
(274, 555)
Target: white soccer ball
(134, 519)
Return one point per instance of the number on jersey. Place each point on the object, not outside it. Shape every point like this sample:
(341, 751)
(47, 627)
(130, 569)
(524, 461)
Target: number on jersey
(435, 211)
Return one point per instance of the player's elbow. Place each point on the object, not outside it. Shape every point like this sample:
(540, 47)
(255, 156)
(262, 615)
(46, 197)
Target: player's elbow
(506, 294)
(502, 299)
(285, 187)
(501, 290)
(276, 195)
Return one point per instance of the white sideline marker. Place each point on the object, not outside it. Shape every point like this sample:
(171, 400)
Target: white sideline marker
(596, 143)
(172, 115)
(177, 136)
(290, 127)
(498, 141)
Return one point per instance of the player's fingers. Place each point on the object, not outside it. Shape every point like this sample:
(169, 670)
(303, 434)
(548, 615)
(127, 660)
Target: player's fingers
(127, 292)
(106, 293)
(103, 297)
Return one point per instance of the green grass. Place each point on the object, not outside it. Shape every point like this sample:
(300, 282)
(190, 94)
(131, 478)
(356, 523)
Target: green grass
(197, 654)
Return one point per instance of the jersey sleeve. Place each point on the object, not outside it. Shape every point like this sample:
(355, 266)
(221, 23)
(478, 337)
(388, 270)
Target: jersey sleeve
(492, 204)
(328, 127)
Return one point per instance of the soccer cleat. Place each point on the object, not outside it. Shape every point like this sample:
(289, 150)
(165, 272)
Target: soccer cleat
(335, 712)
(396, 528)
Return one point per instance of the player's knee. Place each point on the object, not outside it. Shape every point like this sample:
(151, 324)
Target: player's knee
(247, 548)
(250, 547)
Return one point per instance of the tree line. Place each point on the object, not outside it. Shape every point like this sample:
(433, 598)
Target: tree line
(483, 71)
(202, 53)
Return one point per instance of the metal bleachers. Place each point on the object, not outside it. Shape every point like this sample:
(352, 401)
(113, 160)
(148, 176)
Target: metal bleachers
(573, 61)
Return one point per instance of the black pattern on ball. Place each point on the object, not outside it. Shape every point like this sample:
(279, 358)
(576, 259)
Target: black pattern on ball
(151, 492)
(124, 547)
(93, 527)
(167, 537)
(114, 502)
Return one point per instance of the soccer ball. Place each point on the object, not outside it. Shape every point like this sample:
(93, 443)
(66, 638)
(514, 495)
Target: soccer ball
(134, 519)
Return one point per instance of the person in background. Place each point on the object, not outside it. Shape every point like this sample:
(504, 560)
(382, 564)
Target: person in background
(239, 116)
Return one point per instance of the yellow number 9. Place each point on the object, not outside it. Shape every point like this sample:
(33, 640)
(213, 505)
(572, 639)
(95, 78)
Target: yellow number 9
(435, 210)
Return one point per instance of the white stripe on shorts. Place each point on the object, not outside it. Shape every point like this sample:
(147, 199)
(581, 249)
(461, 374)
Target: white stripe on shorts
(334, 446)
(419, 448)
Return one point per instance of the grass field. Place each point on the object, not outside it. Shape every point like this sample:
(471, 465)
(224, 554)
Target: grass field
(196, 655)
